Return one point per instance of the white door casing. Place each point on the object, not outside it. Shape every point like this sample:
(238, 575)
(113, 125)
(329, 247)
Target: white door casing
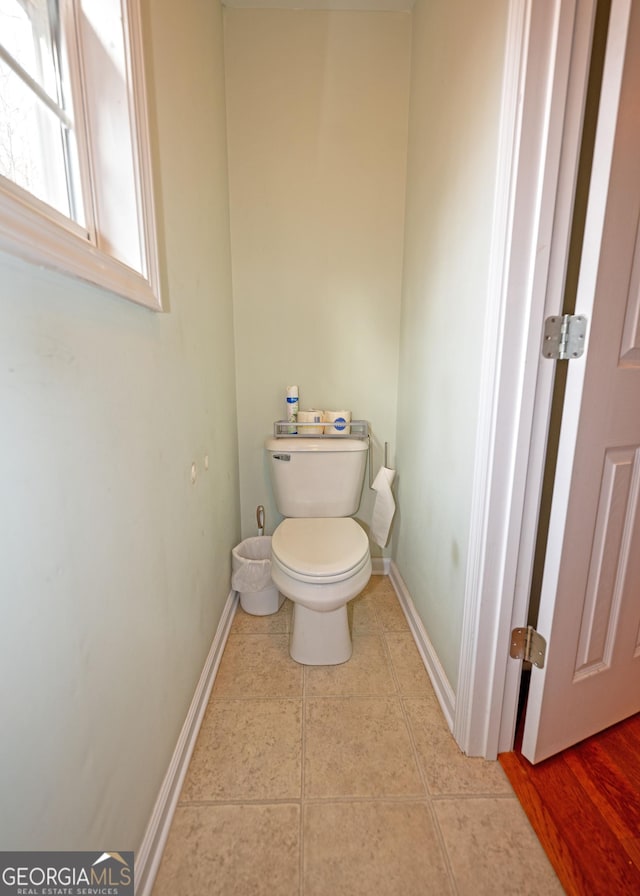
(590, 602)
(546, 75)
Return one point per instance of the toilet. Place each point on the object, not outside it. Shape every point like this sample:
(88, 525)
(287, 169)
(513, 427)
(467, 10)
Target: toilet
(320, 556)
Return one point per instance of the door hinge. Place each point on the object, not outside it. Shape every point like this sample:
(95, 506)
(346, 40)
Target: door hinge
(564, 337)
(528, 645)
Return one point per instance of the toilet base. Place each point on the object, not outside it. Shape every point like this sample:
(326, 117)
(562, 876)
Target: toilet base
(320, 638)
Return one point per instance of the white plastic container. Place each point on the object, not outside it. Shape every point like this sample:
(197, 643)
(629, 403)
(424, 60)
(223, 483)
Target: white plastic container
(251, 576)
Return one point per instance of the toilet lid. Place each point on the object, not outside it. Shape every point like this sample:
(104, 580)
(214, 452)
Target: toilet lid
(326, 549)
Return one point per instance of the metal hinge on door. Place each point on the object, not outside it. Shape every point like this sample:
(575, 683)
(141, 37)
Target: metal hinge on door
(564, 337)
(528, 645)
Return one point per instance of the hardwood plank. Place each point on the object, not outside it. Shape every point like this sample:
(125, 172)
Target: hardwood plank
(629, 730)
(632, 849)
(603, 778)
(624, 743)
(583, 805)
(530, 793)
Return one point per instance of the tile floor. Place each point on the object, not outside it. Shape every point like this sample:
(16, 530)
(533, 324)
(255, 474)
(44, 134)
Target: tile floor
(341, 780)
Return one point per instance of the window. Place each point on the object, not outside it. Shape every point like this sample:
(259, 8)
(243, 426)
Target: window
(75, 180)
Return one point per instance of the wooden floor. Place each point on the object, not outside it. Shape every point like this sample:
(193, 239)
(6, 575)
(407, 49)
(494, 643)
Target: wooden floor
(584, 805)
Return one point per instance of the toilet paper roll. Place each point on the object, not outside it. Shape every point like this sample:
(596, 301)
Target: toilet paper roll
(384, 507)
(310, 417)
(339, 421)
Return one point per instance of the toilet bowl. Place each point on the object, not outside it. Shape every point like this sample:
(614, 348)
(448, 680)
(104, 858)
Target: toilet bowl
(320, 564)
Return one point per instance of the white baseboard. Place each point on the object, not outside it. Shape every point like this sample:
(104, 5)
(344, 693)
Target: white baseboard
(443, 690)
(147, 859)
(380, 566)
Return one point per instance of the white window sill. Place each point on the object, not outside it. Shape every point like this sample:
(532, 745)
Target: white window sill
(42, 241)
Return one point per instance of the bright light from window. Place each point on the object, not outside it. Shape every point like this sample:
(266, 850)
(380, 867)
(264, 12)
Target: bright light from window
(76, 190)
(37, 142)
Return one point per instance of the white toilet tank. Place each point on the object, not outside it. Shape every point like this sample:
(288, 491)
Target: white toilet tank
(317, 477)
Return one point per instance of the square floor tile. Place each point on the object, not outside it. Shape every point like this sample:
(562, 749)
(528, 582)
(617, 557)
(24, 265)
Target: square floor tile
(247, 750)
(446, 769)
(492, 848)
(391, 804)
(276, 623)
(378, 585)
(390, 613)
(410, 671)
(378, 847)
(258, 666)
(358, 746)
(362, 614)
(367, 673)
(224, 850)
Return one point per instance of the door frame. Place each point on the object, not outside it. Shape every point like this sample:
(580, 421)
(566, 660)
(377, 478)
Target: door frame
(544, 89)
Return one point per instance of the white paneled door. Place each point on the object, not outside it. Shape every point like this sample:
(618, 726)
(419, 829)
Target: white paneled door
(590, 604)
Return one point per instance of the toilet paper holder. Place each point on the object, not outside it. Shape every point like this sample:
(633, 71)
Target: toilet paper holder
(386, 460)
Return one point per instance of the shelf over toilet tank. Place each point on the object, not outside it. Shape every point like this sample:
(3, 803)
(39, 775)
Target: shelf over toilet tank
(282, 429)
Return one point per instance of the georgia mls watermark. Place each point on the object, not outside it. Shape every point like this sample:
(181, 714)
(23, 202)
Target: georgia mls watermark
(66, 874)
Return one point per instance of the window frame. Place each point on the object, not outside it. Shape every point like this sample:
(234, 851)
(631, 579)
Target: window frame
(35, 232)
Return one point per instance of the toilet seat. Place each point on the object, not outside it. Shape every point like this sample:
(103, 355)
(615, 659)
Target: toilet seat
(320, 550)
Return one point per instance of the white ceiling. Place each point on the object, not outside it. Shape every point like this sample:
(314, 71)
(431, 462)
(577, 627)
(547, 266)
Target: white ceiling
(393, 5)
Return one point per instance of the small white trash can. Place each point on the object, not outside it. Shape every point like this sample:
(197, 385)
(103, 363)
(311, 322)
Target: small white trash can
(251, 576)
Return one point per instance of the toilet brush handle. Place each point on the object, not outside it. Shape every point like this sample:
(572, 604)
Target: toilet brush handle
(260, 519)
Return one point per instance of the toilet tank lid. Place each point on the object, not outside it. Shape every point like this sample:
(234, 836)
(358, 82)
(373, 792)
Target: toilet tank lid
(310, 444)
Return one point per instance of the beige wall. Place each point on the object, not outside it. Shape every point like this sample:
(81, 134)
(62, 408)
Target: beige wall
(457, 65)
(115, 569)
(317, 106)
